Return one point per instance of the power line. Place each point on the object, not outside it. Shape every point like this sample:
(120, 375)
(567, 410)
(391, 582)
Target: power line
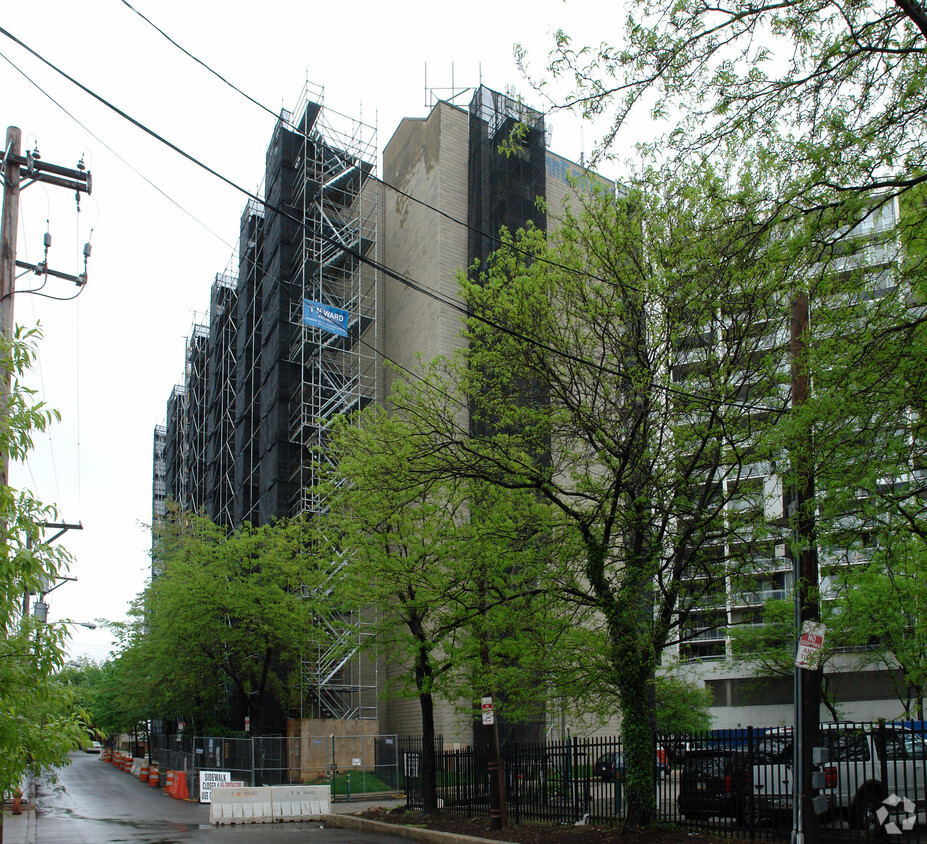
(387, 271)
(167, 196)
(491, 236)
(106, 146)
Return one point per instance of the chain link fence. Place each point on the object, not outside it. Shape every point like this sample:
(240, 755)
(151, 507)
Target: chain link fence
(349, 765)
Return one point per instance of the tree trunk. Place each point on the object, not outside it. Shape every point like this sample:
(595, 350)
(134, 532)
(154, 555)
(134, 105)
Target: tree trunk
(634, 669)
(423, 681)
(429, 761)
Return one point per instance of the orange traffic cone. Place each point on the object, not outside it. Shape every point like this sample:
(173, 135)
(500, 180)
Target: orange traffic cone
(143, 773)
(154, 777)
(169, 782)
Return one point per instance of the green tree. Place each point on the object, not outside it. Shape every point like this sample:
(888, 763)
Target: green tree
(448, 566)
(623, 371)
(99, 689)
(85, 678)
(224, 624)
(38, 724)
(832, 99)
(682, 706)
(881, 612)
(768, 646)
(835, 92)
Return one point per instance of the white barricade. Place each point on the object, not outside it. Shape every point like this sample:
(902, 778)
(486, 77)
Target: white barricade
(136, 769)
(268, 804)
(300, 802)
(240, 805)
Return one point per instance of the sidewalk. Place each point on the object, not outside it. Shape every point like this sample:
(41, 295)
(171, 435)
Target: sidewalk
(362, 804)
(20, 829)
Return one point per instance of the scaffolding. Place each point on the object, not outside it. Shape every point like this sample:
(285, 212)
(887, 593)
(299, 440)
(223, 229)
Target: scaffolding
(503, 185)
(158, 490)
(247, 415)
(335, 197)
(221, 382)
(197, 434)
(261, 387)
(158, 475)
(175, 476)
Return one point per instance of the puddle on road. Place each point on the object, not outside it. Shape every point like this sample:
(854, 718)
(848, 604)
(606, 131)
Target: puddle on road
(146, 828)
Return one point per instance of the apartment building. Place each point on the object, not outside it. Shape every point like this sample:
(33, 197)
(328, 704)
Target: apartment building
(269, 368)
(743, 693)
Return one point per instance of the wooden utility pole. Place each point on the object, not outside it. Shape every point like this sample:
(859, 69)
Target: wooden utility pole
(10, 224)
(807, 681)
(11, 179)
(17, 170)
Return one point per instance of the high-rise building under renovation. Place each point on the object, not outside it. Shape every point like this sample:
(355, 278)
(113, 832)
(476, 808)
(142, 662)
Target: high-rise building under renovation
(301, 333)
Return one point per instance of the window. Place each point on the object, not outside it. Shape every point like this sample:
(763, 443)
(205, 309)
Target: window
(847, 745)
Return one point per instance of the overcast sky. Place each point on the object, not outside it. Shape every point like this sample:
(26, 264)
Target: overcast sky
(162, 229)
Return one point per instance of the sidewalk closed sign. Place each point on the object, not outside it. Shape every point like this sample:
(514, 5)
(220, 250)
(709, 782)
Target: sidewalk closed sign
(210, 780)
(810, 644)
(488, 716)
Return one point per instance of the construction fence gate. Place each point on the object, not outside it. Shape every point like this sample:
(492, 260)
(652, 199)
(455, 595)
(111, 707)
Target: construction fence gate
(350, 765)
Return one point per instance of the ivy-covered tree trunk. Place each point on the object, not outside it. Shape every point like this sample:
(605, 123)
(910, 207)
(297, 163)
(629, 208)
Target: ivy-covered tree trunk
(634, 672)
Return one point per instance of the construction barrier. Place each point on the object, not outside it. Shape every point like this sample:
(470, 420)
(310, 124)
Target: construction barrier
(177, 785)
(299, 802)
(143, 774)
(269, 804)
(136, 767)
(169, 781)
(154, 778)
(240, 805)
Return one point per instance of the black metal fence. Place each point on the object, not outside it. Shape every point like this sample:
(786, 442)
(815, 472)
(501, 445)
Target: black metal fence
(870, 780)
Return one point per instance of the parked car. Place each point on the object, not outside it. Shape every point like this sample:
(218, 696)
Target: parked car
(93, 747)
(866, 764)
(609, 767)
(717, 782)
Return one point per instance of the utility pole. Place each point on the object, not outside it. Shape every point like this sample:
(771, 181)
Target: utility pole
(11, 179)
(8, 227)
(62, 527)
(17, 170)
(802, 515)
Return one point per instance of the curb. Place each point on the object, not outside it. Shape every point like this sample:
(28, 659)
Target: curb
(411, 833)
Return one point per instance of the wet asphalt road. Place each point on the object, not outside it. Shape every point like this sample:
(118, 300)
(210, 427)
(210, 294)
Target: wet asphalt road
(93, 803)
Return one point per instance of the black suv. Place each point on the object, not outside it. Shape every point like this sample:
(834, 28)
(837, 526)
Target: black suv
(716, 782)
